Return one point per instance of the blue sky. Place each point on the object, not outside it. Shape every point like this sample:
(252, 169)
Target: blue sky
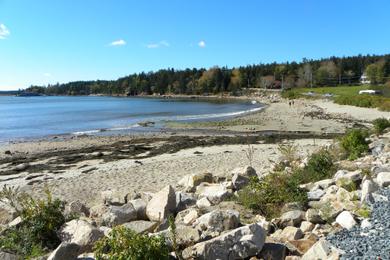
(46, 41)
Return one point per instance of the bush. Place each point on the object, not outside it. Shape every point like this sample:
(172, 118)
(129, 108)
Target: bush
(124, 243)
(41, 219)
(269, 194)
(380, 124)
(354, 143)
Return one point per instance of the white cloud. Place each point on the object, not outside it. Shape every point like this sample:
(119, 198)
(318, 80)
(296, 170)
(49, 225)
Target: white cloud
(4, 32)
(118, 43)
(48, 75)
(202, 44)
(158, 45)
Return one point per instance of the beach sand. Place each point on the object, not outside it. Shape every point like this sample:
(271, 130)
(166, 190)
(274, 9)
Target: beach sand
(82, 167)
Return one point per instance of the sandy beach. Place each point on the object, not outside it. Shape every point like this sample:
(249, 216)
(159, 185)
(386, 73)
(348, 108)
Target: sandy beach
(82, 167)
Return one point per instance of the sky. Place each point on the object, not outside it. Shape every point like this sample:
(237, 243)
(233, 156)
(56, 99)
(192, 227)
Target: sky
(45, 41)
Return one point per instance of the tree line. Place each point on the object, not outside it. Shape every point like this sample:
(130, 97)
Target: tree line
(331, 71)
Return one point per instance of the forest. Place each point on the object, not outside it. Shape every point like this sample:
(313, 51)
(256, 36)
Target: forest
(331, 71)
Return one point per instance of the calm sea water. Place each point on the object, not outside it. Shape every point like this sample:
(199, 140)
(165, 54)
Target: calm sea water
(34, 117)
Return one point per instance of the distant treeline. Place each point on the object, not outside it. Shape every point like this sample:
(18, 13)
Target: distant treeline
(330, 72)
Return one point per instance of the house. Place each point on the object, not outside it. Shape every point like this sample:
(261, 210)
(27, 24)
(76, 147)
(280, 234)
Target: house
(364, 79)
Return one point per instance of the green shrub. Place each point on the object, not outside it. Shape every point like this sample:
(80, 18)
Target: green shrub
(41, 219)
(354, 143)
(269, 194)
(380, 124)
(320, 166)
(123, 244)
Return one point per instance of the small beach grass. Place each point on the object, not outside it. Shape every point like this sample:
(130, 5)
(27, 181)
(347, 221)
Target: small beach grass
(344, 95)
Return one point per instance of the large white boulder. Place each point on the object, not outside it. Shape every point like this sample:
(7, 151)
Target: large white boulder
(141, 226)
(242, 176)
(187, 217)
(346, 220)
(217, 221)
(292, 218)
(80, 232)
(368, 187)
(190, 182)
(383, 179)
(162, 204)
(239, 243)
(140, 208)
(117, 215)
(65, 251)
(321, 250)
(215, 193)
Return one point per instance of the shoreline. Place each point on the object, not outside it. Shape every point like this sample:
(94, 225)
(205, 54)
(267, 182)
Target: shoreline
(81, 167)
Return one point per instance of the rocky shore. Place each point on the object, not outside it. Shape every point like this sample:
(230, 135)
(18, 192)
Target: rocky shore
(346, 216)
(185, 187)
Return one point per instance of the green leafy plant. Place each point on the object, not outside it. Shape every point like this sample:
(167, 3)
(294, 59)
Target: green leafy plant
(269, 194)
(123, 244)
(354, 143)
(380, 124)
(41, 219)
(289, 152)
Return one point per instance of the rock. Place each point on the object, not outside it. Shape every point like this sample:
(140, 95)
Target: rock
(291, 206)
(184, 200)
(187, 217)
(306, 226)
(302, 245)
(315, 195)
(366, 224)
(321, 250)
(217, 221)
(291, 233)
(242, 176)
(273, 251)
(162, 204)
(215, 193)
(324, 184)
(106, 230)
(113, 197)
(81, 233)
(21, 167)
(313, 216)
(240, 243)
(292, 218)
(7, 213)
(368, 187)
(383, 179)
(185, 236)
(203, 203)
(346, 220)
(190, 182)
(140, 208)
(353, 176)
(8, 256)
(15, 223)
(7, 152)
(65, 251)
(77, 208)
(117, 215)
(141, 226)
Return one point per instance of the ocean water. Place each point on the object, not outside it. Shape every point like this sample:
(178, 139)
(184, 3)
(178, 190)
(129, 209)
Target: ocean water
(35, 117)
